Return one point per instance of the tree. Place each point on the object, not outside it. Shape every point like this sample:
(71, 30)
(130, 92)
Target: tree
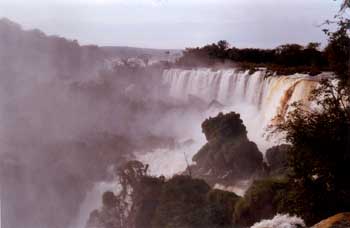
(320, 153)
(223, 45)
(313, 45)
(134, 205)
(338, 51)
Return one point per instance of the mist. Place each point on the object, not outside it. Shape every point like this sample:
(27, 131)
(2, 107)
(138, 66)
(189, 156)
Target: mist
(67, 116)
(104, 115)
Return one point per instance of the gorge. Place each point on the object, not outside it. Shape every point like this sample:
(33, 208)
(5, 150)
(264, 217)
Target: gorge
(71, 115)
(259, 98)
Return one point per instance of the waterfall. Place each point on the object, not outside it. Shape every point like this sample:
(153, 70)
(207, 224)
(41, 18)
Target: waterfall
(258, 98)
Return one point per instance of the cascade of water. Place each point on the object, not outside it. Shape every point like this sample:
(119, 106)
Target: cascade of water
(257, 98)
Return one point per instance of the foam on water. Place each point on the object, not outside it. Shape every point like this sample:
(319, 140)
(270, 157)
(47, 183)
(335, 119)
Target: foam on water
(281, 221)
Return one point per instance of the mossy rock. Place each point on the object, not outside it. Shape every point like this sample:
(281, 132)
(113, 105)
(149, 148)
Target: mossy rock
(277, 159)
(182, 204)
(221, 207)
(261, 201)
(191, 203)
(224, 126)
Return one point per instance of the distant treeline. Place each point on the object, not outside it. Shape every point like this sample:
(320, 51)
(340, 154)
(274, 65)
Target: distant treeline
(284, 59)
(287, 55)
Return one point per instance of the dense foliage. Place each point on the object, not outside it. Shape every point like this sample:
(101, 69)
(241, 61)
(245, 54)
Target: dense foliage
(338, 51)
(187, 203)
(182, 204)
(152, 202)
(320, 154)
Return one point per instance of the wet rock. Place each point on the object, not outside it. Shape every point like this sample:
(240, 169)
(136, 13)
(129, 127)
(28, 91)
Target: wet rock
(341, 220)
(228, 155)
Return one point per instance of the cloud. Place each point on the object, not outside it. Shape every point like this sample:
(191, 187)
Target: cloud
(175, 23)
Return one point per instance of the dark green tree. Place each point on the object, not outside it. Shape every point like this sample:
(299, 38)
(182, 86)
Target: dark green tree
(320, 154)
(338, 51)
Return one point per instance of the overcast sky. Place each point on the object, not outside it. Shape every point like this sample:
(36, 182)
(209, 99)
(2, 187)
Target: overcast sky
(175, 23)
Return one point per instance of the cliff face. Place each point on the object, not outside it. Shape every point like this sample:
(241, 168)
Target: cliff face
(228, 155)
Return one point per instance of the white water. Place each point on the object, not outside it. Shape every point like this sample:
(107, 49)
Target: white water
(239, 188)
(168, 162)
(257, 98)
(281, 221)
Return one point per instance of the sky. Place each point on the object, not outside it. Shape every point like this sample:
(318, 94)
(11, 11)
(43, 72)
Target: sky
(176, 24)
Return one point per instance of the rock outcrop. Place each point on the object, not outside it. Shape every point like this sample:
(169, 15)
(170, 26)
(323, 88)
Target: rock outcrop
(341, 220)
(261, 201)
(277, 159)
(228, 155)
